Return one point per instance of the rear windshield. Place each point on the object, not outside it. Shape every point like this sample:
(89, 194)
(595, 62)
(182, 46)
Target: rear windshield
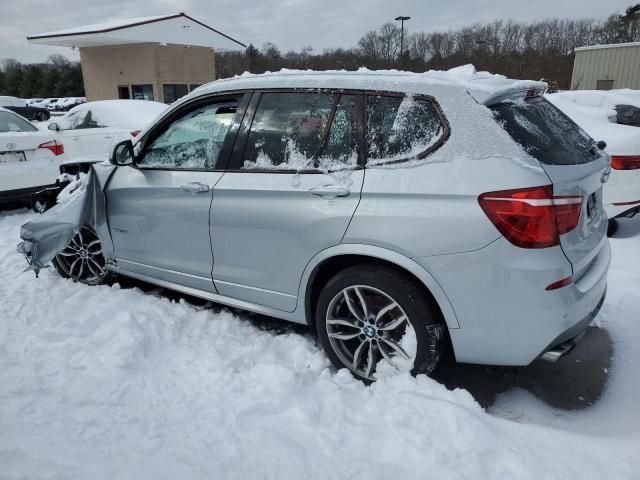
(13, 123)
(545, 132)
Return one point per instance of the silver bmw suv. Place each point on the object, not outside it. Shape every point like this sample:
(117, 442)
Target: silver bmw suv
(396, 214)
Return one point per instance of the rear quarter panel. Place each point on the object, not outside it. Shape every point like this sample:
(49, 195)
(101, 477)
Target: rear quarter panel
(430, 206)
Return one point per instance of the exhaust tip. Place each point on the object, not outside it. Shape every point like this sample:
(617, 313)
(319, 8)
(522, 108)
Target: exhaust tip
(556, 353)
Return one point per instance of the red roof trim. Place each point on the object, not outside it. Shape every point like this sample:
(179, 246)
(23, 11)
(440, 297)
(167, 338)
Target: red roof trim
(122, 27)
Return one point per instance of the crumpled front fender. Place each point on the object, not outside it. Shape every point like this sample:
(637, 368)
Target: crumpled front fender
(48, 234)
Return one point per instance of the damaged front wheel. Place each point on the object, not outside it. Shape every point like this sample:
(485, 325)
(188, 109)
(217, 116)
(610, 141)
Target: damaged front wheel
(82, 260)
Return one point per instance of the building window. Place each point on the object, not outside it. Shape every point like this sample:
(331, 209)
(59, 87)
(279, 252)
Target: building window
(123, 92)
(193, 86)
(142, 92)
(172, 93)
(604, 84)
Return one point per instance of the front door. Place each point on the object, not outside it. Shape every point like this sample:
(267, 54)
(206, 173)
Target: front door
(159, 210)
(293, 185)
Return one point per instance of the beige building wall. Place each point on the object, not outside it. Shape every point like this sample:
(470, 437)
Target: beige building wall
(616, 66)
(105, 68)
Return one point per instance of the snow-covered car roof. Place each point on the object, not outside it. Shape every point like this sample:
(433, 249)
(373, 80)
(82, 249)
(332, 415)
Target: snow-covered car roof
(128, 114)
(7, 100)
(594, 113)
(485, 87)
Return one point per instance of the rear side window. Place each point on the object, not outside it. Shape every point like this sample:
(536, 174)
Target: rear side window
(401, 128)
(545, 132)
(302, 131)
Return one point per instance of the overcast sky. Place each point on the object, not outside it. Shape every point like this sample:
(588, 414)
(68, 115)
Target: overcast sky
(290, 24)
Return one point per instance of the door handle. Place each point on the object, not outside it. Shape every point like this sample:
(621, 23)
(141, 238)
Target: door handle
(194, 188)
(330, 191)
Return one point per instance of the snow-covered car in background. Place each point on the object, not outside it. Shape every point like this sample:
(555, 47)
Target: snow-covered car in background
(68, 103)
(609, 116)
(86, 135)
(89, 130)
(46, 103)
(28, 111)
(27, 159)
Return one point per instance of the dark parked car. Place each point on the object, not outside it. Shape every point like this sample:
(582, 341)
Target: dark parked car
(29, 112)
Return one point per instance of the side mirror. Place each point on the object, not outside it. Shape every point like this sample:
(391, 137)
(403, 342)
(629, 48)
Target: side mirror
(53, 126)
(123, 154)
(601, 145)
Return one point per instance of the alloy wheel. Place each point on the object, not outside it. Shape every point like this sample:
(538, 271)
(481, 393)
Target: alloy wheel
(82, 259)
(365, 326)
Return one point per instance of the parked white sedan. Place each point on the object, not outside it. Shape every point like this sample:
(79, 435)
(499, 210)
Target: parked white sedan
(91, 129)
(595, 112)
(28, 158)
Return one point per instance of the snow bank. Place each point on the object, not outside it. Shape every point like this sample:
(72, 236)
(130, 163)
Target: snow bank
(105, 382)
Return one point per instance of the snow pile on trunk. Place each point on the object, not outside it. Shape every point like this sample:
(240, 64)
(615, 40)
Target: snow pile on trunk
(104, 382)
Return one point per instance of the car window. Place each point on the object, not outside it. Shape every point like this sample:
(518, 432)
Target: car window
(194, 140)
(92, 122)
(291, 131)
(545, 132)
(13, 123)
(73, 121)
(400, 128)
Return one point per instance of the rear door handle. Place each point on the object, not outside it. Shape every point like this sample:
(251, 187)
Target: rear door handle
(330, 191)
(194, 188)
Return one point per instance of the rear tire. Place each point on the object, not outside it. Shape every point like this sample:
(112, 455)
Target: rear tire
(612, 228)
(359, 320)
(82, 260)
(42, 117)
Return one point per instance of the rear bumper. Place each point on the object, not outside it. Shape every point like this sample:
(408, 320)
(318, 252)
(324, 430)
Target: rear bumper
(505, 314)
(566, 341)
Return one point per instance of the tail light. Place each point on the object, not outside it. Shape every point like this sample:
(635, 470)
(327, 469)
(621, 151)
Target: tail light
(532, 217)
(55, 147)
(625, 162)
(135, 133)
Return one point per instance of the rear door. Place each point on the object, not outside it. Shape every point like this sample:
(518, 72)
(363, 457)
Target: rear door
(159, 211)
(573, 163)
(290, 192)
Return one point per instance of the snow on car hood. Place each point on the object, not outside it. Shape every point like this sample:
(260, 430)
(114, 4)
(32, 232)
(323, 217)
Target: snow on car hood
(594, 114)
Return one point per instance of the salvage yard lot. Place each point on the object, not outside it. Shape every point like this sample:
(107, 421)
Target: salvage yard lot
(115, 382)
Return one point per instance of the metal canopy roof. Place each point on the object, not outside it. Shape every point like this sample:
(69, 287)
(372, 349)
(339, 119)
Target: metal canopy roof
(178, 29)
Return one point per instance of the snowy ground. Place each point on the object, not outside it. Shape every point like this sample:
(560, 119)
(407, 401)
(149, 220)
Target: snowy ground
(108, 382)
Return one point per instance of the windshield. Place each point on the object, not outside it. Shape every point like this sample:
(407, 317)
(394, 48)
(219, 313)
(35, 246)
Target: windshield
(13, 123)
(545, 132)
